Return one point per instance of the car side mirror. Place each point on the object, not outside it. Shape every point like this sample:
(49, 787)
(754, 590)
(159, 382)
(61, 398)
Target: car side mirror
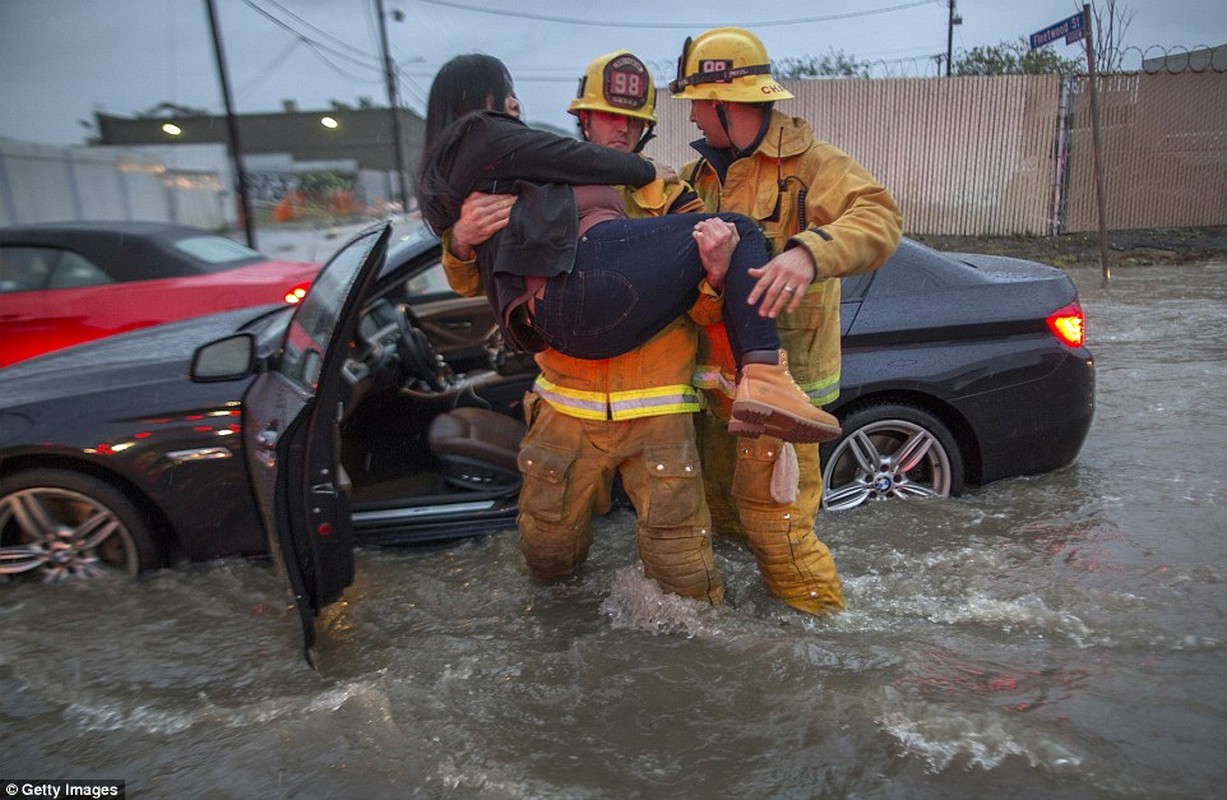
(225, 359)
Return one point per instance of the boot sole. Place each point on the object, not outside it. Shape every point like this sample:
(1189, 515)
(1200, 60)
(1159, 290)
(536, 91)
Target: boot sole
(751, 420)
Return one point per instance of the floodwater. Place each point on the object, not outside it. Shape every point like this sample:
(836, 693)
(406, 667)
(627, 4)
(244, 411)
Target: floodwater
(1062, 636)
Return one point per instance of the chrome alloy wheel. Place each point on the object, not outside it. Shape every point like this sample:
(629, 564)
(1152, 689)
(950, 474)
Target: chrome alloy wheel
(888, 457)
(64, 534)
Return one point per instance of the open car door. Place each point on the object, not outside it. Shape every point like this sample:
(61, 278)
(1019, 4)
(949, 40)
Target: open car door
(292, 438)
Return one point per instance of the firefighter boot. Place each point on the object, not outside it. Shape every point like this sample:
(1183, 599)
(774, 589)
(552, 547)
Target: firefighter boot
(770, 402)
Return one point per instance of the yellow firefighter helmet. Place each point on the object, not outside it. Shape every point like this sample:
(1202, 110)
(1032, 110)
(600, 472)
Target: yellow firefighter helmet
(619, 83)
(727, 64)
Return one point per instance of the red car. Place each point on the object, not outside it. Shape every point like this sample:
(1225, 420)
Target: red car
(70, 282)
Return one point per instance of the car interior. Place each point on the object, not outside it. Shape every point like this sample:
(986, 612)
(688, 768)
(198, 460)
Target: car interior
(433, 414)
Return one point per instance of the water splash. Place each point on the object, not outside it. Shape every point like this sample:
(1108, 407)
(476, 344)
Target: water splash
(638, 603)
(943, 737)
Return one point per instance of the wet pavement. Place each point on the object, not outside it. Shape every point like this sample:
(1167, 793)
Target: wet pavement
(1059, 636)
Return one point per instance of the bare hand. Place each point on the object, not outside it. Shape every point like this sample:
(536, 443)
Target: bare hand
(782, 282)
(716, 240)
(481, 216)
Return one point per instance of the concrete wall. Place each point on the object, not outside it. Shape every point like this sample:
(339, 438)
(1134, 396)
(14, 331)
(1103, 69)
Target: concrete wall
(39, 183)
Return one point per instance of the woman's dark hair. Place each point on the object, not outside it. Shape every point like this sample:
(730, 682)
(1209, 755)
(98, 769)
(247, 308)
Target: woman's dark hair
(462, 85)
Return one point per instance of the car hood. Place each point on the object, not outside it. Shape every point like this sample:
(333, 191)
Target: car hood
(131, 359)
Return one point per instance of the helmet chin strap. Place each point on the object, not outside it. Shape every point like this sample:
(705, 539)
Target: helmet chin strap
(723, 115)
(648, 135)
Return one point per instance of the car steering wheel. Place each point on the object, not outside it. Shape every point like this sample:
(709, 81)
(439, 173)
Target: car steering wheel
(417, 353)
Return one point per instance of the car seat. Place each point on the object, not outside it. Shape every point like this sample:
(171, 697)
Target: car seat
(476, 448)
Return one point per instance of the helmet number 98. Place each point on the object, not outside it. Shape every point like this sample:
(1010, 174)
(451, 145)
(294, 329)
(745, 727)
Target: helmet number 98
(626, 84)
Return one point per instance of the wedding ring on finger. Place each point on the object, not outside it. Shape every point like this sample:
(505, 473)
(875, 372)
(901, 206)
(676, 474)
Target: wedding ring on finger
(789, 289)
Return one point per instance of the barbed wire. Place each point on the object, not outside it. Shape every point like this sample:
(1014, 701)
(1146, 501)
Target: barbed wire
(1175, 60)
(1151, 60)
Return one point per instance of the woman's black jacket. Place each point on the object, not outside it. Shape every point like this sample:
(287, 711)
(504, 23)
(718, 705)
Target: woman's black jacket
(487, 151)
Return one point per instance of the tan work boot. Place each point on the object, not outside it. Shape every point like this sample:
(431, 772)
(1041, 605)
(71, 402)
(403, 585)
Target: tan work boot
(770, 402)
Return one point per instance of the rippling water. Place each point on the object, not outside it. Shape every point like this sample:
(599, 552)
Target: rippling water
(1059, 636)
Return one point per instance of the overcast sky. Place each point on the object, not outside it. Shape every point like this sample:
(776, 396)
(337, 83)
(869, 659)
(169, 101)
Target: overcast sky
(62, 60)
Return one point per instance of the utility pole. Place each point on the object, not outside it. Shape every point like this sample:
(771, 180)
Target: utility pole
(389, 69)
(952, 19)
(236, 148)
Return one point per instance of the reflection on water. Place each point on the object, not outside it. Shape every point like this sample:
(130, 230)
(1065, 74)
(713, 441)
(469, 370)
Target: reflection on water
(1055, 636)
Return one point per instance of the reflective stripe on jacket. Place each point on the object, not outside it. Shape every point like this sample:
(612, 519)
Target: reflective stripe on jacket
(681, 398)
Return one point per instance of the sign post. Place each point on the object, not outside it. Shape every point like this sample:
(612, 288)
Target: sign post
(1072, 29)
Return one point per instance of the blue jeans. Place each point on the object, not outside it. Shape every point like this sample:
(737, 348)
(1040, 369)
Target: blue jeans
(632, 277)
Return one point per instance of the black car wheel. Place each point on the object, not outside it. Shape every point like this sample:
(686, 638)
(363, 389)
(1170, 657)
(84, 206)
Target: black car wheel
(63, 525)
(890, 451)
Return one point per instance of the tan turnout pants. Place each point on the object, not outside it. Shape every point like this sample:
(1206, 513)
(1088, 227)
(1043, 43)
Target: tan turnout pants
(568, 466)
(796, 565)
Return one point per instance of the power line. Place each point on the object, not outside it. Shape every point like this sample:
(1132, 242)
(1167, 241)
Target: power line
(318, 29)
(322, 50)
(318, 49)
(264, 71)
(410, 85)
(365, 60)
(681, 25)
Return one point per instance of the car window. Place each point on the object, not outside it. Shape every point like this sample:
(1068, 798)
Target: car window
(316, 319)
(216, 250)
(432, 281)
(31, 269)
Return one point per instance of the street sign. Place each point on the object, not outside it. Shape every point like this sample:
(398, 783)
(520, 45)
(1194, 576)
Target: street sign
(1071, 28)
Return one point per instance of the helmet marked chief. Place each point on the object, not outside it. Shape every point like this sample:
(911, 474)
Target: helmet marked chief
(728, 64)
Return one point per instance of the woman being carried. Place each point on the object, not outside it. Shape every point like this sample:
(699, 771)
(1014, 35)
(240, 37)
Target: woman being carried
(570, 271)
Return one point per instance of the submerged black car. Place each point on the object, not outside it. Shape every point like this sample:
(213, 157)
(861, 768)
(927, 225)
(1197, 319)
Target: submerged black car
(384, 409)
(957, 369)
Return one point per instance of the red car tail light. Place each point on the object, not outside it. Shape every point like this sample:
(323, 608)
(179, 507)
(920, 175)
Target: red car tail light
(295, 295)
(1068, 324)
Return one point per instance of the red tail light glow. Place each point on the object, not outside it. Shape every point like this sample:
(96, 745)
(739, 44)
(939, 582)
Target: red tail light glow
(295, 295)
(1068, 324)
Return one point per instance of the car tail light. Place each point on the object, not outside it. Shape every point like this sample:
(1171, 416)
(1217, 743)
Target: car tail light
(295, 295)
(1068, 324)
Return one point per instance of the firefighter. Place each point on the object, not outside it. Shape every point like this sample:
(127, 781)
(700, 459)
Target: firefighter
(630, 416)
(825, 217)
